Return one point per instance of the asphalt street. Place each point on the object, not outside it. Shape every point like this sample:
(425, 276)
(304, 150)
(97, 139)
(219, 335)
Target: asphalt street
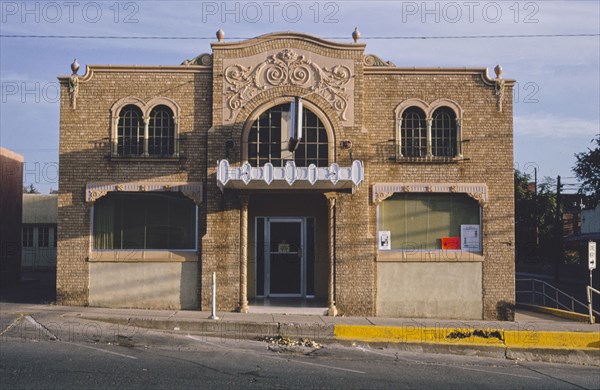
(98, 357)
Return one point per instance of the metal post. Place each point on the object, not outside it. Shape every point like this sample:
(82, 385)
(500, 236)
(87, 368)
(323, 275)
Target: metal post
(544, 294)
(589, 294)
(213, 315)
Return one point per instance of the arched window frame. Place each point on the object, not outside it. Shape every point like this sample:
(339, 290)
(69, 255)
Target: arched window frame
(157, 137)
(283, 100)
(129, 142)
(429, 109)
(146, 108)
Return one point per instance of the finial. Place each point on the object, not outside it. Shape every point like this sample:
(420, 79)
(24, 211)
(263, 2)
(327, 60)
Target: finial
(356, 35)
(75, 67)
(498, 71)
(220, 35)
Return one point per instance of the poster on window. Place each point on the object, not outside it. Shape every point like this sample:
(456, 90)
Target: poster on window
(470, 238)
(385, 240)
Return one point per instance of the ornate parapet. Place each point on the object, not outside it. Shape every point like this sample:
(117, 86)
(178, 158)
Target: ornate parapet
(96, 190)
(290, 176)
(477, 191)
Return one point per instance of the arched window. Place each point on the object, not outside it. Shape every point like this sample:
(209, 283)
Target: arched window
(413, 133)
(269, 134)
(161, 137)
(130, 131)
(444, 133)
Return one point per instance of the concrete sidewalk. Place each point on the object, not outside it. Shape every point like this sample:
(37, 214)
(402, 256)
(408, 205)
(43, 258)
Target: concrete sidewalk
(532, 336)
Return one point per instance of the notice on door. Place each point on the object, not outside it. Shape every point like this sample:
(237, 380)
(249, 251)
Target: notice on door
(470, 238)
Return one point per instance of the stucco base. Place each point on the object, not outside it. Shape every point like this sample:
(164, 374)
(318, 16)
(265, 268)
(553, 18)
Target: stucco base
(147, 285)
(430, 290)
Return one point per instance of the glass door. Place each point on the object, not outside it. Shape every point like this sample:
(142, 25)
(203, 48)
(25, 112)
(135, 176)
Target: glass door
(286, 265)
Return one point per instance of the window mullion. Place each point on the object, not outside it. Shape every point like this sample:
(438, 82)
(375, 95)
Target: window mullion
(429, 122)
(146, 135)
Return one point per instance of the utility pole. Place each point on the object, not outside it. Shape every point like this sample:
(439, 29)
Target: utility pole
(559, 229)
(535, 215)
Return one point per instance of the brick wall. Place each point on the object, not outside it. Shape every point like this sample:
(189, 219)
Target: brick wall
(85, 149)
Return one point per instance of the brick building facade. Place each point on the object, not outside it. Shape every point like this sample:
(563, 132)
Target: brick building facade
(392, 195)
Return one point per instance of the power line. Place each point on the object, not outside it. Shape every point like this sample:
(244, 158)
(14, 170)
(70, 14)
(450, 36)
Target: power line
(339, 38)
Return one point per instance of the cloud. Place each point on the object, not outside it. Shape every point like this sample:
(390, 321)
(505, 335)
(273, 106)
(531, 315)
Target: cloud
(553, 126)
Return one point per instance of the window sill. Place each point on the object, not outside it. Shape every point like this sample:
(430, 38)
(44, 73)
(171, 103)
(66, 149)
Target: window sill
(146, 159)
(140, 255)
(433, 159)
(438, 256)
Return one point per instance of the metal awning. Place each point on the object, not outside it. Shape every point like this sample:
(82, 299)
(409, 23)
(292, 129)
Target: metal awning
(247, 177)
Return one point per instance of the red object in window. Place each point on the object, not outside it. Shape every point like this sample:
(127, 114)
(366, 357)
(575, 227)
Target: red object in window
(450, 242)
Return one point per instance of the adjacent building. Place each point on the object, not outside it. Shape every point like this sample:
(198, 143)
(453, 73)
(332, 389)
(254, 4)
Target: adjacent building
(297, 169)
(11, 190)
(39, 237)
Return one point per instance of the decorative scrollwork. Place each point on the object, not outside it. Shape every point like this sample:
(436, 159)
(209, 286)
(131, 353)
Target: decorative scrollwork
(373, 60)
(94, 195)
(283, 69)
(479, 197)
(381, 196)
(204, 59)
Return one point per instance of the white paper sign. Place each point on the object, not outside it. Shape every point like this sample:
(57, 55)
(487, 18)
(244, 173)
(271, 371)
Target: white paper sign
(385, 240)
(592, 255)
(470, 238)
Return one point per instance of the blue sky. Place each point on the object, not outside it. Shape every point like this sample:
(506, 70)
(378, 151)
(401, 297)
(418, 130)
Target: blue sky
(558, 92)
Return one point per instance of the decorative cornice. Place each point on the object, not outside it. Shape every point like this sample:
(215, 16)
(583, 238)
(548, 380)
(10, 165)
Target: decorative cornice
(481, 72)
(477, 191)
(96, 190)
(373, 60)
(286, 68)
(287, 35)
(92, 69)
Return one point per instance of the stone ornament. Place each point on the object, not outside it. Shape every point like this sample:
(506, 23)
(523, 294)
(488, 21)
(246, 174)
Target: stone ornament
(203, 59)
(74, 84)
(287, 68)
(499, 86)
(94, 195)
(373, 60)
(381, 196)
(356, 35)
(479, 197)
(220, 35)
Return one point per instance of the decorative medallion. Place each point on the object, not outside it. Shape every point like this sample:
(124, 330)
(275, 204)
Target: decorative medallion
(287, 68)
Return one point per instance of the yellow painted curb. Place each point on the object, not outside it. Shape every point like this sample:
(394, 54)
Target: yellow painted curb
(561, 340)
(407, 334)
(460, 336)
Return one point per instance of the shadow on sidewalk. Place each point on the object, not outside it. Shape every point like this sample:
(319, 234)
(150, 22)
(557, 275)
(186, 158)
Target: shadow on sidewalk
(34, 287)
